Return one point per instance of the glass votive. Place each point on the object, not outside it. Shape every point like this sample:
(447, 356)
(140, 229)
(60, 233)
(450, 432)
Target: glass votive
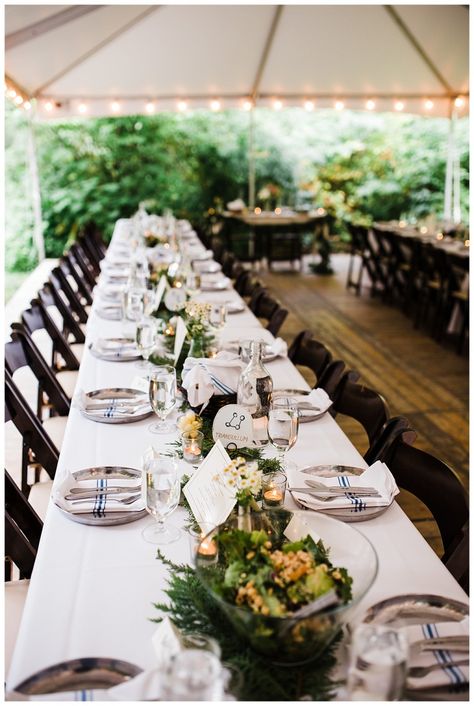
(196, 537)
(273, 489)
(192, 446)
(378, 664)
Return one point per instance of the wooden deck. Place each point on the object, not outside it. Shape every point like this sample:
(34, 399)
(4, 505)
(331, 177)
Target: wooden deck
(420, 379)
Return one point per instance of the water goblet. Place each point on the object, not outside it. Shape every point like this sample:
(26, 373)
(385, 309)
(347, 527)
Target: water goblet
(146, 340)
(162, 391)
(218, 315)
(283, 424)
(163, 489)
(193, 283)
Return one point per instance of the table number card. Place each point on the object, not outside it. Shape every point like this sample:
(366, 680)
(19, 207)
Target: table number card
(210, 500)
(181, 333)
(160, 290)
(175, 299)
(233, 427)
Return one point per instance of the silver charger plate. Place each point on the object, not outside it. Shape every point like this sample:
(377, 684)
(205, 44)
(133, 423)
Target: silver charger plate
(308, 412)
(344, 514)
(110, 393)
(417, 609)
(79, 674)
(111, 313)
(109, 354)
(111, 293)
(235, 307)
(113, 518)
(215, 286)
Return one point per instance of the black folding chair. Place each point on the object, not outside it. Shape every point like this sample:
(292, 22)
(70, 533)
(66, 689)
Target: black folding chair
(310, 353)
(363, 404)
(38, 318)
(23, 529)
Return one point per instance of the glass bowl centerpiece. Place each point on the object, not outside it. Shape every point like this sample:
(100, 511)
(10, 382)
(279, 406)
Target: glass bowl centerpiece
(288, 583)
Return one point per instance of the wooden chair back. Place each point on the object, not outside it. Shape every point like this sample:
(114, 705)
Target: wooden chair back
(23, 529)
(363, 404)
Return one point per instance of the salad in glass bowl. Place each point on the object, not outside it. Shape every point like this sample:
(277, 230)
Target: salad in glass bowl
(288, 582)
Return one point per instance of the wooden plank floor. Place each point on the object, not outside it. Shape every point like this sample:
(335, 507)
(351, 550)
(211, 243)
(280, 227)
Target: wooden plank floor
(419, 378)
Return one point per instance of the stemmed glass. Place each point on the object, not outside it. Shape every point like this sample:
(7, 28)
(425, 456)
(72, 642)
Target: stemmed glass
(283, 424)
(218, 317)
(193, 283)
(162, 393)
(146, 340)
(163, 489)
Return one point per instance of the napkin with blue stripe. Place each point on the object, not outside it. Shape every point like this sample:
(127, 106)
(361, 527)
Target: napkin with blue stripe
(454, 677)
(377, 476)
(205, 377)
(99, 505)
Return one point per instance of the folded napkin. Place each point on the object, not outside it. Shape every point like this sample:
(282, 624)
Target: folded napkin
(236, 205)
(204, 377)
(443, 676)
(278, 347)
(99, 505)
(117, 348)
(112, 408)
(376, 476)
(317, 398)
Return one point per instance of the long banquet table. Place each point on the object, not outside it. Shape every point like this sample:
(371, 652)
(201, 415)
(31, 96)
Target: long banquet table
(93, 588)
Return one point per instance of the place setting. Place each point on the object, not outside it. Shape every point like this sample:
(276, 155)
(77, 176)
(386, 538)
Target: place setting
(347, 493)
(101, 496)
(115, 349)
(117, 405)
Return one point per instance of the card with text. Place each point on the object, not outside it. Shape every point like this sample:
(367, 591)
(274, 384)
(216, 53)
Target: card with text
(160, 290)
(210, 500)
(181, 333)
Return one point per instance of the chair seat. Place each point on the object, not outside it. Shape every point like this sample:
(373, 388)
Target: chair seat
(15, 597)
(67, 379)
(39, 496)
(55, 427)
(78, 350)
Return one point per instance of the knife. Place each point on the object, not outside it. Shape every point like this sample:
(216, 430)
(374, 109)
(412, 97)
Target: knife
(76, 493)
(337, 493)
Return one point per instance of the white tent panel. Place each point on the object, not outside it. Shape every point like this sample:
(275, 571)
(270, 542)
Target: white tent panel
(338, 50)
(20, 16)
(444, 35)
(177, 51)
(37, 61)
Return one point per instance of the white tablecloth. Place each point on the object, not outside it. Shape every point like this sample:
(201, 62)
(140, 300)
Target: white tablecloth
(93, 589)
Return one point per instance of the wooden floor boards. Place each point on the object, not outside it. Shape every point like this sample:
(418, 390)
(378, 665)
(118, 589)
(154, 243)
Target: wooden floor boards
(419, 378)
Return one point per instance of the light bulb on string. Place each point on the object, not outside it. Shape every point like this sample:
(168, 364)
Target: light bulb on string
(459, 102)
(339, 105)
(48, 106)
(11, 93)
(247, 105)
(370, 105)
(429, 105)
(277, 104)
(82, 108)
(27, 105)
(182, 106)
(399, 106)
(115, 107)
(150, 107)
(18, 100)
(215, 105)
(309, 105)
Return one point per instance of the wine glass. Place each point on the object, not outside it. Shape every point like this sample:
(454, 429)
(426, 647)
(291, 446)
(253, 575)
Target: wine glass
(163, 489)
(146, 339)
(218, 315)
(193, 284)
(283, 423)
(162, 393)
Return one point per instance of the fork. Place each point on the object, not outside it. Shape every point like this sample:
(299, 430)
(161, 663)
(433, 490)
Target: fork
(78, 493)
(124, 501)
(423, 671)
(339, 489)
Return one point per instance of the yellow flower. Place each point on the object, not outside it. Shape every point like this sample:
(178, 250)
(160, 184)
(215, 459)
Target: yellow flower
(189, 422)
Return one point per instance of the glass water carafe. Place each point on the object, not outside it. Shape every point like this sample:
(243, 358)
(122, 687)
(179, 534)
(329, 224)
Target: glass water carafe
(254, 392)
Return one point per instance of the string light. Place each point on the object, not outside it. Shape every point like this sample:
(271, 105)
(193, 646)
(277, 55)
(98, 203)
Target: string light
(182, 106)
(370, 105)
(399, 105)
(257, 211)
(277, 104)
(18, 100)
(247, 104)
(215, 105)
(27, 105)
(309, 106)
(150, 107)
(82, 108)
(11, 93)
(429, 105)
(48, 106)
(459, 102)
(115, 107)
(339, 105)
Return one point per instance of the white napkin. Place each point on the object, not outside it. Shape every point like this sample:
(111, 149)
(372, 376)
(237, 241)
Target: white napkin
(116, 407)
(454, 676)
(100, 505)
(107, 345)
(237, 205)
(377, 476)
(279, 347)
(204, 377)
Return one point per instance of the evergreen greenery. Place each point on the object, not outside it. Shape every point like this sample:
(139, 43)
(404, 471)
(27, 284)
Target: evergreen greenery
(192, 609)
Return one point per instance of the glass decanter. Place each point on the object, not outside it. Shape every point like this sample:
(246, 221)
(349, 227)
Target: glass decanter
(254, 392)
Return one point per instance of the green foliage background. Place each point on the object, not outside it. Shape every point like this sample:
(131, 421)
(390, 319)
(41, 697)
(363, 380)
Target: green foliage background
(356, 164)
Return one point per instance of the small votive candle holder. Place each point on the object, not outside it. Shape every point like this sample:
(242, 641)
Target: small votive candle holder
(273, 490)
(202, 545)
(192, 446)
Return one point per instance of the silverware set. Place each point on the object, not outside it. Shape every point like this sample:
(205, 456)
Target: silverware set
(328, 493)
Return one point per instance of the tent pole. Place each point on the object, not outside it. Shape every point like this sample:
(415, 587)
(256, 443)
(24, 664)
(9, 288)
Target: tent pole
(251, 159)
(36, 193)
(448, 184)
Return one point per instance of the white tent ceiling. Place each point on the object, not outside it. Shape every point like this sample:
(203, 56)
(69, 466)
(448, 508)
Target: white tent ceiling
(106, 59)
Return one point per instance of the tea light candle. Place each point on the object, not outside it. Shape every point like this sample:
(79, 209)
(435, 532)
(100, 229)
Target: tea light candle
(273, 497)
(169, 330)
(273, 488)
(207, 548)
(192, 446)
